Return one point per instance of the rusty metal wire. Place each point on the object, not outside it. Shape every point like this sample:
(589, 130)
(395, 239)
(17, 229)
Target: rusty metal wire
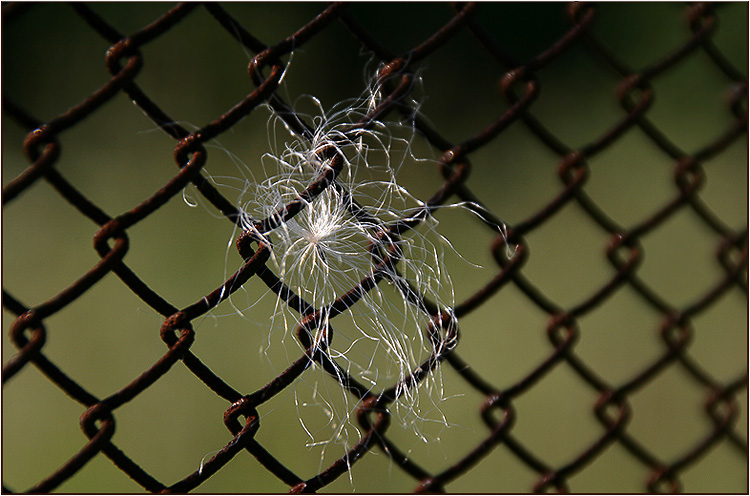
(521, 85)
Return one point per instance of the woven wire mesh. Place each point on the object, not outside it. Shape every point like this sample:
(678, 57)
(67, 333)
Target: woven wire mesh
(607, 352)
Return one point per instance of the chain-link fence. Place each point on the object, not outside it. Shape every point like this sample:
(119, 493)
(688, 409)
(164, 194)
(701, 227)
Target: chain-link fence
(587, 164)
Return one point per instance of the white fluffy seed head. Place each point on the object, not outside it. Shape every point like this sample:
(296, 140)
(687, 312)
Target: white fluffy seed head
(338, 238)
(335, 241)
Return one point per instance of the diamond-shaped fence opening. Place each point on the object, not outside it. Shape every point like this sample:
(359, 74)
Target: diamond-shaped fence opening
(374, 247)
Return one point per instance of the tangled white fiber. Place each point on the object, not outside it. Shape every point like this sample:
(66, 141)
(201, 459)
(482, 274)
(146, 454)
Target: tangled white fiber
(349, 231)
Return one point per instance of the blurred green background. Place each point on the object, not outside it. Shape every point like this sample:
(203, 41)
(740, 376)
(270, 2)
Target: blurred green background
(196, 71)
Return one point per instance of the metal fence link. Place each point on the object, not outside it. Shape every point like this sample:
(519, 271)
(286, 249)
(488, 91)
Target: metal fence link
(671, 331)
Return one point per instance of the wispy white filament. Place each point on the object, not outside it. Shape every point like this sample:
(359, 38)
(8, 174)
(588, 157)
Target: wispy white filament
(325, 250)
